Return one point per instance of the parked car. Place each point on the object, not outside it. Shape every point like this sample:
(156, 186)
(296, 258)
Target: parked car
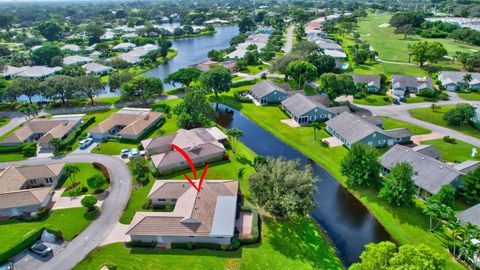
(396, 101)
(6, 266)
(41, 250)
(124, 152)
(134, 153)
(85, 143)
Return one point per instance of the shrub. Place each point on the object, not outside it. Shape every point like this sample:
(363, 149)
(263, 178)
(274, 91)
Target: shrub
(386, 99)
(29, 150)
(238, 96)
(141, 244)
(449, 139)
(89, 202)
(111, 266)
(427, 93)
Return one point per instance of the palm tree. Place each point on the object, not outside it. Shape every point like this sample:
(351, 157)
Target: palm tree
(316, 126)
(71, 171)
(233, 135)
(455, 226)
(467, 79)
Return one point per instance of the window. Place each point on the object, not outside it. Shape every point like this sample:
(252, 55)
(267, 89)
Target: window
(174, 200)
(398, 139)
(49, 180)
(161, 200)
(374, 135)
(323, 115)
(313, 117)
(33, 182)
(381, 142)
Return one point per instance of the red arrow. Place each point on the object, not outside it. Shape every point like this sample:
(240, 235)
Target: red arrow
(192, 167)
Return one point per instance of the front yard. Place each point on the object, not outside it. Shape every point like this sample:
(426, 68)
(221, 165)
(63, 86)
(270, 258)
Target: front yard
(392, 123)
(374, 100)
(457, 152)
(87, 170)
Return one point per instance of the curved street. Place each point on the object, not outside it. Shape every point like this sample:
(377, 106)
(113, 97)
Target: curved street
(111, 210)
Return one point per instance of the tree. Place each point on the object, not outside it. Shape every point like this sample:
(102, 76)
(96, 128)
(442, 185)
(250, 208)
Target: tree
(44, 54)
(406, 30)
(117, 79)
(385, 255)
(50, 30)
(25, 86)
(360, 166)
(446, 195)
(102, 47)
(471, 187)
(284, 187)
(89, 202)
(280, 64)
(89, 86)
(217, 79)
(164, 45)
(467, 78)
(252, 57)
(436, 211)
(435, 107)
(246, 24)
(195, 110)
(6, 21)
(216, 55)
(463, 58)
(324, 63)
(461, 115)
(184, 76)
(398, 186)
(59, 86)
(96, 181)
(316, 127)
(94, 32)
(233, 135)
(117, 62)
(70, 171)
(73, 71)
(473, 63)
(337, 85)
(428, 51)
(4, 51)
(436, 52)
(140, 169)
(55, 143)
(141, 87)
(56, 61)
(302, 72)
(305, 48)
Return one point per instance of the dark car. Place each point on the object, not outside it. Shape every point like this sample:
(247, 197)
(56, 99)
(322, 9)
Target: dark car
(396, 101)
(41, 250)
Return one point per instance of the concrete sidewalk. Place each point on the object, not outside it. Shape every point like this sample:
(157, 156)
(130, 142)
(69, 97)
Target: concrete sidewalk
(60, 202)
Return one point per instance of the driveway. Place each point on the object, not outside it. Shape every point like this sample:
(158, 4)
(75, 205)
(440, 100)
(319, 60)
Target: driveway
(111, 210)
(289, 39)
(28, 260)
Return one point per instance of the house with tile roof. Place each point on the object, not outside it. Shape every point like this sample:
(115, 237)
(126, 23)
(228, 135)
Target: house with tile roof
(37, 72)
(97, 69)
(351, 129)
(403, 85)
(470, 215)
(128, 123)
(207, 216)
(452, 80)
(76, 60)
(372, 82)
(429, 174)
(305, 110)
(42, 130)
(203, 145)
(26, 189)
(268, 92)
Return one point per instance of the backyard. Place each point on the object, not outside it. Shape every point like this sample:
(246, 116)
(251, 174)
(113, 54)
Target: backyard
(286, 244)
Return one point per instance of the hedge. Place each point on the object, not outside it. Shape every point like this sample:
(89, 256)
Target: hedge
(22, 244)
(244, 83)
(28, 149)
(238, 96)
(72, 138)
(213, 246)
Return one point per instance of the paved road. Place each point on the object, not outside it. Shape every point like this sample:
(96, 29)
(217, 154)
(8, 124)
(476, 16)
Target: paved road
(111, 210)
(289, 39)
(401, 112)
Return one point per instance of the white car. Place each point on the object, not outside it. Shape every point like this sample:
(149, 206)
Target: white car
(85, 143)
(124, 152)
(134, 153)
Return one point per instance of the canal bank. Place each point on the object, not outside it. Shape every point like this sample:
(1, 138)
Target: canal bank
(345, 220)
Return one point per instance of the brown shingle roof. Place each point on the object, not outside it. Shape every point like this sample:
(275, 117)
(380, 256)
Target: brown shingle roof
(134, 120)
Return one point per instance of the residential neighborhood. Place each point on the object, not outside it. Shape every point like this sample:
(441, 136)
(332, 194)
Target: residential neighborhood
(239, 135)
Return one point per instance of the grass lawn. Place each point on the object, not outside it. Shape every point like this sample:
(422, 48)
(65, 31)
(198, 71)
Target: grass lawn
(69, 221)
(108, 100)
(293, 244)
(392, 123)
(393, 47)
(86, 171)
(113, 148)
(11, 157)
(457, 152)
(427, 115)
(374, 100)
(470, 96)
(406, 225)
(255, 69)
(418, 99)
(4, 120)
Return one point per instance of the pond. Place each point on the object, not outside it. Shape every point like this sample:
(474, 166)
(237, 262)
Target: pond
(346, 221)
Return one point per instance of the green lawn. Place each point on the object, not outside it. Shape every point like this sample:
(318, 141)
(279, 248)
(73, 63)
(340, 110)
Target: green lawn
(406, 225)
(418, 99)
(427, 115)
(11, 157)
(113, 148)
(457, 152)
(470, 96)
(296, 244)
(374, 100)
(4, 120)
(255, 69)
(69, 221)
(86, 171)
(392, 123)
(393, 47)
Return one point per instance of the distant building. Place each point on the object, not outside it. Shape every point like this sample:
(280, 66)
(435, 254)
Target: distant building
(37, 72)
(372, 82)
(97, 69)
(228, 64)
(71, 47)
(76, 60)
(124, 46)
(452, 80)
(402, 85)
(268, 92)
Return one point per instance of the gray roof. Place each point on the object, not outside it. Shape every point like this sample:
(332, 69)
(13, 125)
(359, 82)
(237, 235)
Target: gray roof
(467, 166)
(265, 87)
(299, 104)
(455, 77)
(351, 127)
(224, 218)
(376, 120)
(398, 132)
(429, 174)
(428, 150)
(402, 82)
(471, 215)
(370, 80)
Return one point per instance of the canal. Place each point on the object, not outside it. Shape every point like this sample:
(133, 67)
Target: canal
(346, 221)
